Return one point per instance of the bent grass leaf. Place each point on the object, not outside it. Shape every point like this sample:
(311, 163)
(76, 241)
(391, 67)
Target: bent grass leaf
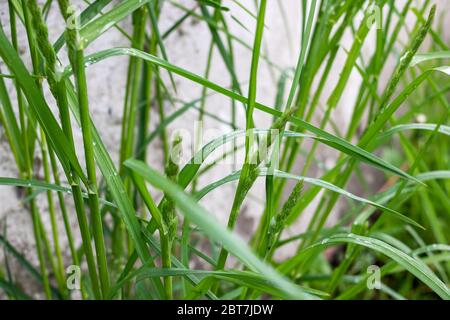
(95, 28)
(415, 266)
(414, 126)
(317, 182)
(423, 57)
(242, 278)
(40, 186)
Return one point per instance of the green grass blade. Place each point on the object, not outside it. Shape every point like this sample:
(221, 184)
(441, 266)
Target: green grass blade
(317, 182)
(415, 266)
(242, 278)
(95, 28)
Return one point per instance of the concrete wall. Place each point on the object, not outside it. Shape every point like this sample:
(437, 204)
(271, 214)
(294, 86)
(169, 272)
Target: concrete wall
(188, 48)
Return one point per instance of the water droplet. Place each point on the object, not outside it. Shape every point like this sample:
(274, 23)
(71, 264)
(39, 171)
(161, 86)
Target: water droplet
(421, 118)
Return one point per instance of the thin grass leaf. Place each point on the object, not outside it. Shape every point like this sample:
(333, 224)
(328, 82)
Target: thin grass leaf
(414, 266)
(94, 28)
(242, 278)
(317, 182)
(414, 126)
(423, 57)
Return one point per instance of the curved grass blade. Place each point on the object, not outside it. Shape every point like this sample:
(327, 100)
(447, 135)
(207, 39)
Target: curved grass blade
(191, 168)
(26, 264)
(414, 126)
(213, 4)
(40, 186)
(414, 266)
(317, 182)
(242, 278)
(433, 175)
(423, 57)
(157, 34)
(39, 107)
(93, 29)
(386, 196)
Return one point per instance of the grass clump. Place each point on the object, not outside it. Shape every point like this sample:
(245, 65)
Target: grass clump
(133, 246)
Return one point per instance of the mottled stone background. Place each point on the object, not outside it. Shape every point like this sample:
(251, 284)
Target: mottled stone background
(187, 48)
